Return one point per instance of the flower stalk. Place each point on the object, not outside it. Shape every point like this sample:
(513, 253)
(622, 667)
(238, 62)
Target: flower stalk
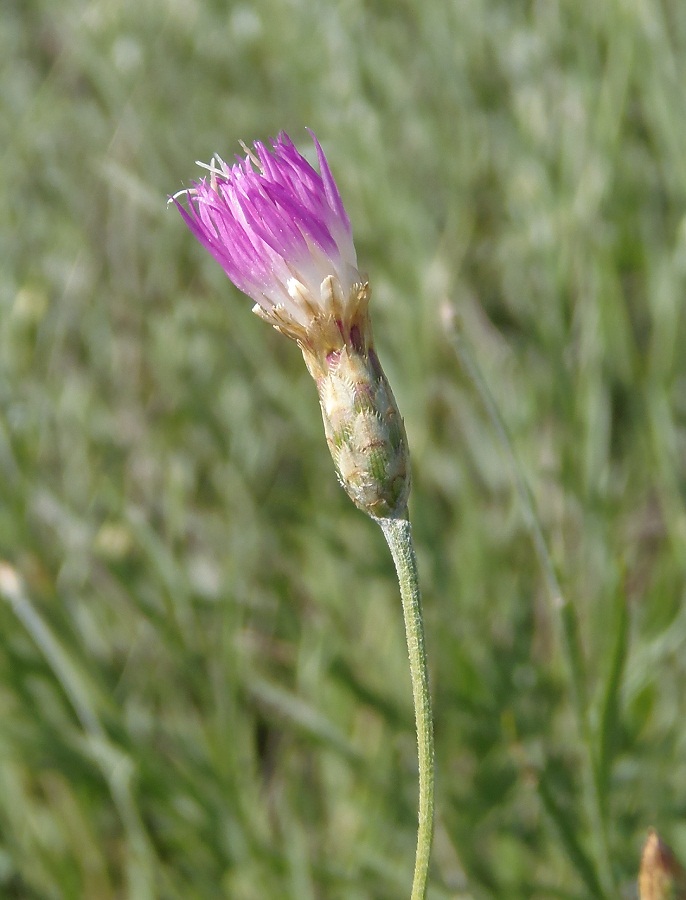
(398, 534)
(280, 231)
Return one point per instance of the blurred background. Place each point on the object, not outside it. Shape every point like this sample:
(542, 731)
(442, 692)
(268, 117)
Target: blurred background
(204, 689)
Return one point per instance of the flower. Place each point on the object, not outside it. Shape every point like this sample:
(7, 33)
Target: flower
(280, 231)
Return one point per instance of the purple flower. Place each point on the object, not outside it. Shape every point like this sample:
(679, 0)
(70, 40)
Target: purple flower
(281, 234)
(280, 231)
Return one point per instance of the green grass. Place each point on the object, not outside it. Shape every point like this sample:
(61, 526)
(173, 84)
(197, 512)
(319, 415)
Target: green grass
(204, 689)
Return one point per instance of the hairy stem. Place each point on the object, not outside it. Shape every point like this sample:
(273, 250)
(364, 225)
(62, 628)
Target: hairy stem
(398, 534)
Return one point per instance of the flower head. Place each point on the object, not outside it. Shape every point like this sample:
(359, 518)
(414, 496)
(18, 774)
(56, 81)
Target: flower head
(280, 231)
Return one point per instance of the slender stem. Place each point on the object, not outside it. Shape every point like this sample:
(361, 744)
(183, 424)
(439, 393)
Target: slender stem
(398, 534)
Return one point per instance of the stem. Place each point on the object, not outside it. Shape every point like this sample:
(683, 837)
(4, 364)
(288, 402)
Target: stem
(398, 534)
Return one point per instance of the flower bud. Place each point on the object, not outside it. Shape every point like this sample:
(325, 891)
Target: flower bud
(661, 876)
(364, 429)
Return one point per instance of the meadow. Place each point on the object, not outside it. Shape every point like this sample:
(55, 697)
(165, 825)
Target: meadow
(204, 688)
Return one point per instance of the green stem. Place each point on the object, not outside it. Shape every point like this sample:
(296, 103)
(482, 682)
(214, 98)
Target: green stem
(398, 534)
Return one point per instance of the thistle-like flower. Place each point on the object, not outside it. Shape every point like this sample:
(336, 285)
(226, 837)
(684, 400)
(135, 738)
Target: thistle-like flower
(281, 233)
(279, 229)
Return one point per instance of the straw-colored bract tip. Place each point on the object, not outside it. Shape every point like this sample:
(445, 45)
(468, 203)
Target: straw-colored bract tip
(662, 877)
